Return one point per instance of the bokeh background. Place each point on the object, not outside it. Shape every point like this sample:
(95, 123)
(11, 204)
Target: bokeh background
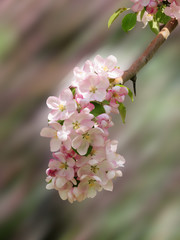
(40, 44)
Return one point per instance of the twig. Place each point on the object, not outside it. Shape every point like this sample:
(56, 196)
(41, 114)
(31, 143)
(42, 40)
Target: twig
(149, 52)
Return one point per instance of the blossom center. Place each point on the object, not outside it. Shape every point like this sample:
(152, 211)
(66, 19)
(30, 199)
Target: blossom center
(62, 107)
(87, 137)
(115, 95)
(91, 182)
(93, 89)
(93, 151)
(76, 125)
(63, 166)
(105, 68)
(94, 169)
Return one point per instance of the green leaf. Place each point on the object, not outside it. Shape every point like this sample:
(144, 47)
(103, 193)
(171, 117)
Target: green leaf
(115, 15)
(122, 111)
(60, 121)
(154, 25)
(142, 13)
(73, 90)
(75, 150)
(105, 102)
(130, 94)
(129, 21)
(99, 109)
(162, 17)
(88, 151)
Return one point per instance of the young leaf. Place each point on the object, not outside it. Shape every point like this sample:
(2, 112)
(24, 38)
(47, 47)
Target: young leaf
(122, 111)
(88, 151)
(162, 17)
(61, 122)
(130, 94)
(105, 102)
(154, 26)
(115, 15)
(142, 13)
(129, 22)
(99, 109)
(73, 90)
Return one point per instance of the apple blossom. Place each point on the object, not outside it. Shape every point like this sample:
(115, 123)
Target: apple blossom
(58, 134)
(94, 87)
(62, 107)
(84, 160)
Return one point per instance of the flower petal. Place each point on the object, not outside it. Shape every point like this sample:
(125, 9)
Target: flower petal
(48, 132)
(55, 144)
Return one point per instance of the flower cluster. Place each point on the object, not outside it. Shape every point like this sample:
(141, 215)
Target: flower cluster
(84, 159)
(147, 10)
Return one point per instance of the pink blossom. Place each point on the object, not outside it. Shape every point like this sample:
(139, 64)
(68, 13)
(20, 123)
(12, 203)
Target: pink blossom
(83, 102)
(55, 182)
(173, 10)
(58, 134)
(96, 156)
(81, 74)
(94, 87)
(93, 137)
(89, 187)
(145, 19)
(79, 122)
(63, 166)
(117, 93)
(115, 159)
(107, 66)
(104, 121)
(62, 107)
(97, 170)
(75, 172)
(139, 5)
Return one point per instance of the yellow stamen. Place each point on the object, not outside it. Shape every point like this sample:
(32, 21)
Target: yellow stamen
(86, 136)
(94, 169)
(93, 151)
(63, 166)
(93, 89)
(76, 125)
(91, 182)
(62, 107)
(105, 68)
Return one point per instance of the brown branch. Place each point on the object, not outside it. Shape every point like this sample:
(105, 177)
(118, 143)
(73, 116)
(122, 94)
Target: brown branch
(149, 52)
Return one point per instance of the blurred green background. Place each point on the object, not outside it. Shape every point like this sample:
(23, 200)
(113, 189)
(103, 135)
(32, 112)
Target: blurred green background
(40, 44)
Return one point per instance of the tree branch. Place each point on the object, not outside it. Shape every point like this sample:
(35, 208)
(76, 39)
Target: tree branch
(149, 52)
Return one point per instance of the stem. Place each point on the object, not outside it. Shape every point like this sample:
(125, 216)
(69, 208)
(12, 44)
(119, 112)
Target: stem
(149, 52)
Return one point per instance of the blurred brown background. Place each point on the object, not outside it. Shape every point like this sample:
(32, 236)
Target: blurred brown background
(40, 43)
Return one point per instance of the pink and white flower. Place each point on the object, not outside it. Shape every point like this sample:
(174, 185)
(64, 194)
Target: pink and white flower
(64, 167)
(81, 74)
(104, 121)
(58, 134)
(173, 10)
(83, 103)
(93, 137)
(107, 67)
(115, 159)
(86, 161)
(116, 94)
(89, 187)
(145, 19)
(62, 107)
(97, 170)
(79, 122)
(94, 87)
